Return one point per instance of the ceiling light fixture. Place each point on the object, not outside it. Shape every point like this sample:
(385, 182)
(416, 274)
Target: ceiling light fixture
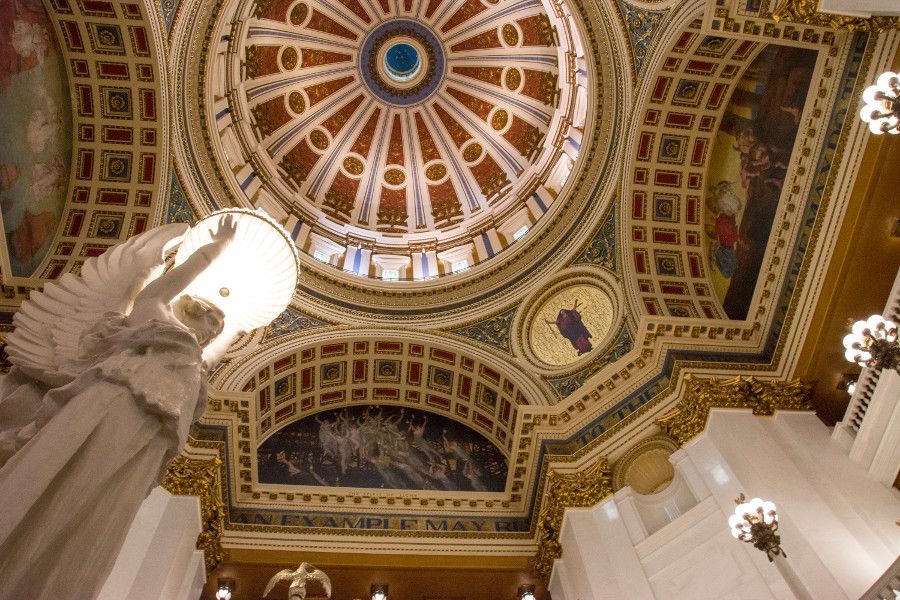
(882, 105)
(873, 343)
(755, 522)
(379, 591)
(526, 592)
(847, 382)
(226, 589)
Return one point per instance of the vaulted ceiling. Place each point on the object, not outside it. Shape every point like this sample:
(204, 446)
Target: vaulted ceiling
(522, 222)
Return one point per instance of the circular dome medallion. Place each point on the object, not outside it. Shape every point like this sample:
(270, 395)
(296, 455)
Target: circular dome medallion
(402, 62)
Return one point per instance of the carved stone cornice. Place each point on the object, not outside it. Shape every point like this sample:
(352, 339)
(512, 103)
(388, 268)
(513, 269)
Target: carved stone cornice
(807, 12)
(567, 490)
(192, 477)
(688, 418)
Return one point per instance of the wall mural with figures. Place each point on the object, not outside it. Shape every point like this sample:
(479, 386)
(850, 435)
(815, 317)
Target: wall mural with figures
(748, 167)
(382, 447)
(36, 119)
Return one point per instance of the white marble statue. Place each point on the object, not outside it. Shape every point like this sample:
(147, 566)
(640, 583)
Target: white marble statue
(109, 374)
(298, 579)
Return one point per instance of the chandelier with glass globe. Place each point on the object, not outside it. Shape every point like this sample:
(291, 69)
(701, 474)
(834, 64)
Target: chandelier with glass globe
(881, 104)
(873, 343)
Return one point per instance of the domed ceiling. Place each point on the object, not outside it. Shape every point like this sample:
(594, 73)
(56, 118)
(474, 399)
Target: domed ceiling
(538, 217)
(396, 128)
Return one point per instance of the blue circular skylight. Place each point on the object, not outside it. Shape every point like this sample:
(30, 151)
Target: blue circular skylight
(402, 62)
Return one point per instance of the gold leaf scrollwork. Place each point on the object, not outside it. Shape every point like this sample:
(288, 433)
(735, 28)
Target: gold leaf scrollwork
(688, 418)
(192, 477)
(807, 12)
(567, 490)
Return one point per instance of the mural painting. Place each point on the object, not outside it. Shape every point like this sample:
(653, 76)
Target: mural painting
(570, 324)
(748, 168)
(382, 447)
(36, 121)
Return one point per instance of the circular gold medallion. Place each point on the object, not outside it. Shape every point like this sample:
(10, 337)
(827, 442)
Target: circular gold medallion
(435, 172)
(319, 139)
(394, 176)
(289, 58)
(353, 165)
(295, 101)
(499, 120)
(298, 15)
(472, 152)
(510, 34)
(513, 79)
(570, 324)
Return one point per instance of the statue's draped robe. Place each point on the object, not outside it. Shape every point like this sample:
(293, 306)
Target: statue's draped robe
(68, 496)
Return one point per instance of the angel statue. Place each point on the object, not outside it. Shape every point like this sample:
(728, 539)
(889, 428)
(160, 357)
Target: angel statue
(109, 373)
(298, 579)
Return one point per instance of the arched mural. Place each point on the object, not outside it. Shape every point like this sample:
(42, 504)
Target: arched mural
(748, 166)
(36, 121)
(387, 447)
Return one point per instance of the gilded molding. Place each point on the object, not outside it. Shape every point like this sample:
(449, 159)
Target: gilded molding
(566, 490)
(688, 418)
(807, 12)
(192, 477)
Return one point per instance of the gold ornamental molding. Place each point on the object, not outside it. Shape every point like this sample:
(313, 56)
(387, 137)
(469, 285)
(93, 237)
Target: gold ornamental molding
(567, 490)
(192, 477)
(807, 12)
(688, 418)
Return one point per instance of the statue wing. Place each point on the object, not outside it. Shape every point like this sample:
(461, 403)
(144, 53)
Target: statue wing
(49, 325)
(322, 578)
(279, 576)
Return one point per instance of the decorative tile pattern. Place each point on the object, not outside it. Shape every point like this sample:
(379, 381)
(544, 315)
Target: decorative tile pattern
(386, 371)
(493, 332)
(602, 248)
(290, 321)
(178, 209)
(671, 154)
(642, 25)
(116, 186)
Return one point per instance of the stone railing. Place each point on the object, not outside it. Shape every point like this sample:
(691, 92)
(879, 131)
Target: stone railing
(868, 379)
(888, 585)
(870, 430)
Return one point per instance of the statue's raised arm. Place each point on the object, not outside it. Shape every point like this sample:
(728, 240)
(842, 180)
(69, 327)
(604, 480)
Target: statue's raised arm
(109, 373)
(46, 342)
